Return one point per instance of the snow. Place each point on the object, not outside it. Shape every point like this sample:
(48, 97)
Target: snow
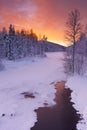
(35, 76)
(79, 95)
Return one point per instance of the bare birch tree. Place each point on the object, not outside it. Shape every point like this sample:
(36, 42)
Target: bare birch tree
(73, 32)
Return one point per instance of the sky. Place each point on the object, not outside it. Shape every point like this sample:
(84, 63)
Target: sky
(43, 16)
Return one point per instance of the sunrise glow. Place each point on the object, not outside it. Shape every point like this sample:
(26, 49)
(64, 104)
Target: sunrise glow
(43, 16)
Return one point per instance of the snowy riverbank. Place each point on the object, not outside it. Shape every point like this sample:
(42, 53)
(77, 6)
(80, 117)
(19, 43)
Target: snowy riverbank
(33, 76)
(37, 77)
(79, 95)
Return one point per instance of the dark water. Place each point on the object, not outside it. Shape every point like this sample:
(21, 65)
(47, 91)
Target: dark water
(62, 116)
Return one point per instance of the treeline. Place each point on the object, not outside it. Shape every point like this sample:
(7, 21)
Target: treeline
(15, 44)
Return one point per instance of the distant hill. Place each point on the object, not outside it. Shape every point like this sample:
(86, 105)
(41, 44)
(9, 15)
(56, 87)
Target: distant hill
(52, 47)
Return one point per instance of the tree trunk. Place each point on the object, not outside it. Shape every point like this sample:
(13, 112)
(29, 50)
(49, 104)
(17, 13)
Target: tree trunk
(73, 60)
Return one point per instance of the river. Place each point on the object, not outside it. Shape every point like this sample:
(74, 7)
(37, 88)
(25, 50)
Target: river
(62, 116)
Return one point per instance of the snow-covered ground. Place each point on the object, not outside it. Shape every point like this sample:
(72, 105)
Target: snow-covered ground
(79, 96)
(35, 76)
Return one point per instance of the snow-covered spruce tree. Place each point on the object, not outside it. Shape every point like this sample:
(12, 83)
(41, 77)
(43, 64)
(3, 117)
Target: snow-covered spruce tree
(44, 40)
(33, 39)
(3, 37)
(73, 33)
(18, 45)
(22, 43)
(11, 41)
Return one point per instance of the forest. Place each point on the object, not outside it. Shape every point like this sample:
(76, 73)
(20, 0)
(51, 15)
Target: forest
(19, 44)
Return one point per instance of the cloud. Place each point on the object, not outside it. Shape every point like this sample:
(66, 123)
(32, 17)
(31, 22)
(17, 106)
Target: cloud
(48, 16)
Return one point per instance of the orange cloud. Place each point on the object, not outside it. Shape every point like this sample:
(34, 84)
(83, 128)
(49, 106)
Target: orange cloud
(44, 16)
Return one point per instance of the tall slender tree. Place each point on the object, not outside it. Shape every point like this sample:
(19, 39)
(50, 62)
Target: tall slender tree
(73, 31)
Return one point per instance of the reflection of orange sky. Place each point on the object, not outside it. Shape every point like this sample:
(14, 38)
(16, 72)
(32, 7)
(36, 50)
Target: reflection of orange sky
(43, 16)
